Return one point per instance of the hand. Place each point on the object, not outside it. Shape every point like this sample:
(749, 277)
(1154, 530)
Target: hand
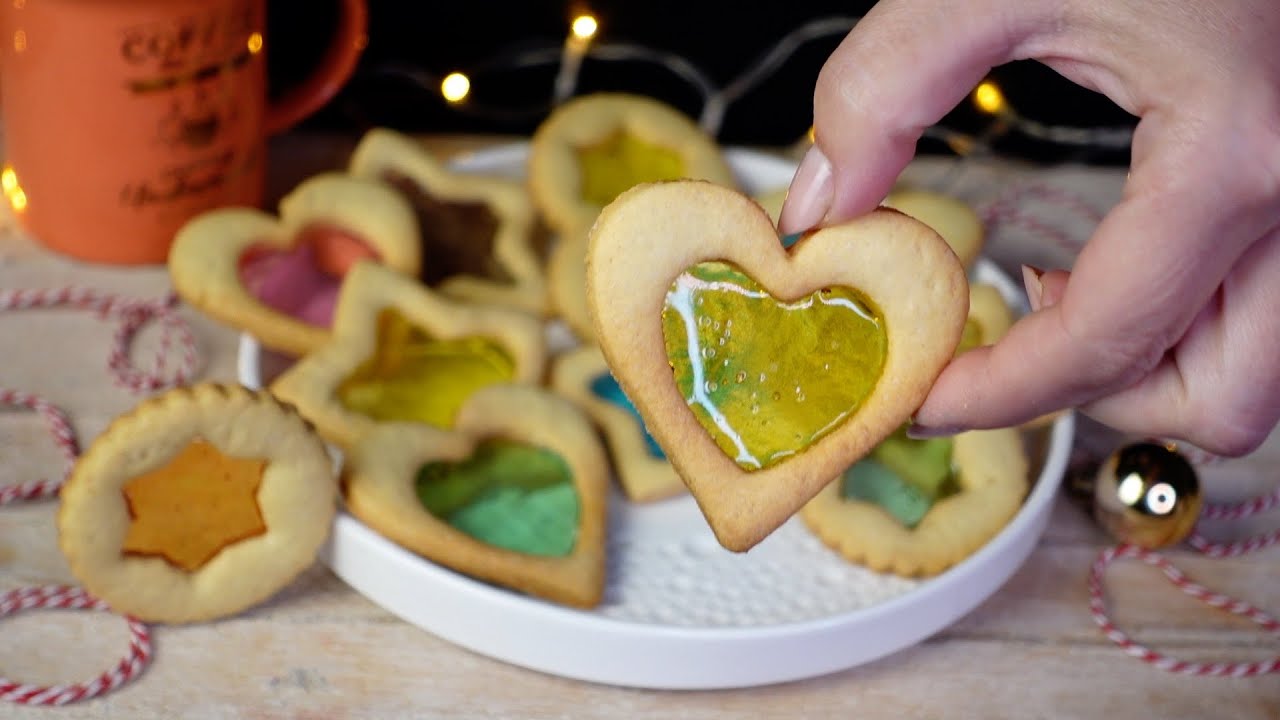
(1169, 323)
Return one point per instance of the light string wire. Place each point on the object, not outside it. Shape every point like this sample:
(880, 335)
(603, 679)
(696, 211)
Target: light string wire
(717, 100)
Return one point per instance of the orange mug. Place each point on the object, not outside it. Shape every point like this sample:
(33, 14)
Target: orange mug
(123, 119)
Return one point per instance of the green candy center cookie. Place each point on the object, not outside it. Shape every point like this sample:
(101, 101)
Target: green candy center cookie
(414, 378)
(508, 495)
(905, 477)
(768, 378)
(622, 161)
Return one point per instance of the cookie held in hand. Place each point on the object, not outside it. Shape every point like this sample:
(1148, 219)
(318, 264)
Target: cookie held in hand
(763, 371)
(198, 504)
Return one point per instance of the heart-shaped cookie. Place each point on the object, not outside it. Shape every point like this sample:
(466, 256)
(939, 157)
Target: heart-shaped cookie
(642, 468)
(765, 371)
(197, 504)
(990, 473)
(515, 495)
(399, 352)
(476, 230)
(276, 277)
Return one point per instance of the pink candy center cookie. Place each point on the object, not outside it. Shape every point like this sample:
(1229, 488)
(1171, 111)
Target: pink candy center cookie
(303, 281)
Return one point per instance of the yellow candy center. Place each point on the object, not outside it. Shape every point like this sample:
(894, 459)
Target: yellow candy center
(971, 337)
(189, 509)
(768, 378)
(622, 161)
(413, 377)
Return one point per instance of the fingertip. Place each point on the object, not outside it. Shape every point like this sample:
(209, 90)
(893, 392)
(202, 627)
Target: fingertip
(809, 197)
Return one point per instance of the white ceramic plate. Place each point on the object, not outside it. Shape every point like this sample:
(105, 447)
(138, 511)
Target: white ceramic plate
(679, 611)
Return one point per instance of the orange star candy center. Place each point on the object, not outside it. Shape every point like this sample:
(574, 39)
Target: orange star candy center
(188, 510)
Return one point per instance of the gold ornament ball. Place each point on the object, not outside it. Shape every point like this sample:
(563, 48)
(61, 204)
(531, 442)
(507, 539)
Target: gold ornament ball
(1147, 495)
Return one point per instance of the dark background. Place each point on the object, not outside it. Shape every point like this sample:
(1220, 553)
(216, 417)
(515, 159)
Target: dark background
(410, 38)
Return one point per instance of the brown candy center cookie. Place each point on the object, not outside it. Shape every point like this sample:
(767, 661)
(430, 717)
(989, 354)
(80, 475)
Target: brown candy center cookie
(457, 237)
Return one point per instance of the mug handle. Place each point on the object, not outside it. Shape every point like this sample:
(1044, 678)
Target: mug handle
(336, 67)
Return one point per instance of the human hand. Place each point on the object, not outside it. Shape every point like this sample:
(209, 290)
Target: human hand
(1167, 324)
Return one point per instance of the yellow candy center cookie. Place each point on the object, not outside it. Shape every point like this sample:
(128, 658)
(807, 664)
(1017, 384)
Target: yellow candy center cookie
(457, 237)
(971, 337)
(768, 378)
(622, 161)
(413, 377)
(188, 510)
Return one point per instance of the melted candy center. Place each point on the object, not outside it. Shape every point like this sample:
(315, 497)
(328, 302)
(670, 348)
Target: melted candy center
(457, 237)
(971, 337)
(768, 378)
(507, 494)
(303, 280)
(606, 387)
(412, 377)
(622, 161)
(189, 509)
(904, 477)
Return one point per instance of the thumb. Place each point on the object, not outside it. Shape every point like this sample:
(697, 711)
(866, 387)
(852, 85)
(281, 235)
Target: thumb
(904, 66)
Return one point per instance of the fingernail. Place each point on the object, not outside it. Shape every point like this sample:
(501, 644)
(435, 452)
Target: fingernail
(809, 197)
(923, 432)
(1035, 288)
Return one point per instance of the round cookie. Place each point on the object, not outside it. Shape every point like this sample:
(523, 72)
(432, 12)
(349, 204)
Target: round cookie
(593, 147)
(954, 220)
(990, 469)
(765, 371)
(198, 504)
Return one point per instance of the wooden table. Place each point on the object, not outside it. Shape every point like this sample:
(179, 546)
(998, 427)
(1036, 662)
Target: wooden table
(319, 650)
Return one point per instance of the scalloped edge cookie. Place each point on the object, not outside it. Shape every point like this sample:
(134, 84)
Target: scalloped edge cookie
(952, 218)
(382, 150)
(652, 233)
(992, 472)
(380, 490)
(368, 290)
(297, 499)
(554, 176)
(204, 259)
(643, 478)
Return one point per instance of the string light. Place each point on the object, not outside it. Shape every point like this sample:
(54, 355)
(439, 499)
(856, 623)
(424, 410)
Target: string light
(584, 27)
(989, 99)
(581, 31)
(455, 87)
(13, 191)
(580, 45)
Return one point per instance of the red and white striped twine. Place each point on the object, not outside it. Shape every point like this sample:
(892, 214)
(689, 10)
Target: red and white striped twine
(134, 315)
(62, 436)
(1098, 607)
(1010, 210)
(68, 598)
